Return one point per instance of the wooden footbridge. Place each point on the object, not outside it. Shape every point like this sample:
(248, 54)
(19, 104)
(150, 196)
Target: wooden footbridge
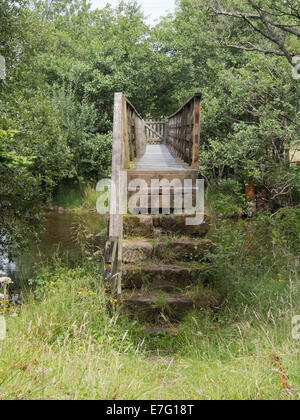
(152, 256)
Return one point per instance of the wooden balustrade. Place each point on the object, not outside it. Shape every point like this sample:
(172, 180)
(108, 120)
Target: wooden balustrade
(133, 127)
(183, 131)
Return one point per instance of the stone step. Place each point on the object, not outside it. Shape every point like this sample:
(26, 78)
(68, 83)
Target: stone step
(146, 225)
(138, 226)
(180, 250)
(163, 277)
(136, 251)
(172, 307)
(178, 224)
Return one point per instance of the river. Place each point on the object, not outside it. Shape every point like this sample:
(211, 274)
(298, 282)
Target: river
(58, 238)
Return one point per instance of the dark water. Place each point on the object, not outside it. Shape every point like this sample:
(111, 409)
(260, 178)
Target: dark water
(58, 239)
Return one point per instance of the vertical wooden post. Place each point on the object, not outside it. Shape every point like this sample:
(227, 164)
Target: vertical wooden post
(166, 133)
(117, 158)
(125, 134)
(115, 221)
(131, 135)
(196, 130)
(137, 129)
(140, 136)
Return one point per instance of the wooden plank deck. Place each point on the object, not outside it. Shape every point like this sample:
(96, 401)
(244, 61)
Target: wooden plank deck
(157, 157)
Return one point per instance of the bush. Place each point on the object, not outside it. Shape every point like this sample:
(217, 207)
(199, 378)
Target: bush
(228, 198)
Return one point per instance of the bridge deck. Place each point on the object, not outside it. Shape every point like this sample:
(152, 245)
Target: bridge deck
(157, 157)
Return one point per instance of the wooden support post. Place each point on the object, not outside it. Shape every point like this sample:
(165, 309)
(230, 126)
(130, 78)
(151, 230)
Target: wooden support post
(117, 158)
(125, 134)
(115, 221)
(137, 129)
(141, 137)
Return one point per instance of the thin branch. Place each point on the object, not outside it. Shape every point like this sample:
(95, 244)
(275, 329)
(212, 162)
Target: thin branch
(240, 15)
(292, 13)
(254, 48)
(273, 35)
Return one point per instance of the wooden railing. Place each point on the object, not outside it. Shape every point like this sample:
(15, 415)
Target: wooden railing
(133, 130)
(129, 143)
(183, 132)
(155, 131)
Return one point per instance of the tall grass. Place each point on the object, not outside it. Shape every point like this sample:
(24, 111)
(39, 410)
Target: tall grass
(90, 197)
(75, 196)
(66, 343)
(69, 196)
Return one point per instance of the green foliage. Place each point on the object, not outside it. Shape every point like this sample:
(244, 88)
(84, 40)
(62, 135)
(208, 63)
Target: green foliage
(286, 228)
(250, 138)
(268, 27)
(91, 150)
(34, 155)
(257, 248)
(11, 159)
(227, 198)
(39, 135)
(20, 196)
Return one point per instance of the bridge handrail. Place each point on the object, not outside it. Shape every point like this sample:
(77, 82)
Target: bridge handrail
(183, 131)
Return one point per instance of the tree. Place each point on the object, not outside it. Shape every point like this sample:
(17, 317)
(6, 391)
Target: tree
(34, 155)
(276, 22)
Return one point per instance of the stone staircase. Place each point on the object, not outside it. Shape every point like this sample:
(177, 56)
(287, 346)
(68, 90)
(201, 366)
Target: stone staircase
(162, 278)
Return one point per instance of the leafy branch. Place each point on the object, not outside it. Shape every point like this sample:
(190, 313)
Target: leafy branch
(273, 30)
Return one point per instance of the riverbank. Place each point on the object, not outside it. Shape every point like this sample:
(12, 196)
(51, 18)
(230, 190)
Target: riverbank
(64, 235)
(65, 344)
(71, 196)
